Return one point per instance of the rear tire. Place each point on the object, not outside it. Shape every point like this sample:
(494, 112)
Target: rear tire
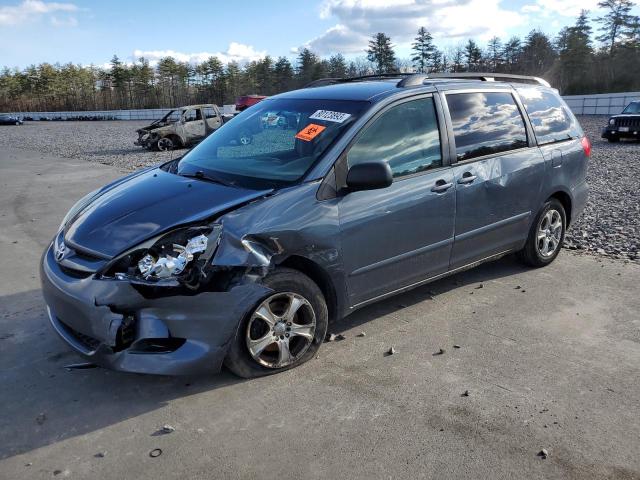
(283, 330)
(545, 236)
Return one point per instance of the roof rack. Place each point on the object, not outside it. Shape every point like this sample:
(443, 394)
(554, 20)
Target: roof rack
(419, 78)
(377, 76)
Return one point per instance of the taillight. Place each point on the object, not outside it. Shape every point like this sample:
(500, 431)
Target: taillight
(586, 146)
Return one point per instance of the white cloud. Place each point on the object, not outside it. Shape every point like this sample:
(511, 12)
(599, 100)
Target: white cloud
(68, 21)
(566, 8)
(400, 19)
(30, 10)
(237, 52)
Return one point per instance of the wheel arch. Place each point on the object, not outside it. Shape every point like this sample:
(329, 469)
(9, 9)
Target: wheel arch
(565, 199)
(176, 138)
(321, 278)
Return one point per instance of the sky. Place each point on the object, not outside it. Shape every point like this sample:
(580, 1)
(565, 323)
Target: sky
(91, 32)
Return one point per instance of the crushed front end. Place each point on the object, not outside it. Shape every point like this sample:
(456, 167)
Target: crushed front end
(160, 308)
(147, 137)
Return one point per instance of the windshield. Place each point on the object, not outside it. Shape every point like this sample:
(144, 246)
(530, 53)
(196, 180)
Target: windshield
(633, 107)
(272, 144)
(172, 116)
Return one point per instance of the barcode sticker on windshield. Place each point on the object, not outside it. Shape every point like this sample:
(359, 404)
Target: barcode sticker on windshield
(329, 116)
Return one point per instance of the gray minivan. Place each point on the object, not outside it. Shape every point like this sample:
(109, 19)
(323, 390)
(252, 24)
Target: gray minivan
(242, 252)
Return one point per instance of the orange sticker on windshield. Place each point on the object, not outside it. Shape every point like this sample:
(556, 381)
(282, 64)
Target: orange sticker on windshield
(310, 132)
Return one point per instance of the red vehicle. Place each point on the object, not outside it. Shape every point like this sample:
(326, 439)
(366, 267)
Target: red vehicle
(245, 101)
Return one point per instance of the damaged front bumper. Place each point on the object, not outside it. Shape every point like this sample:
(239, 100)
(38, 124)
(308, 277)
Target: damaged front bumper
(146, 139)
(115, 324)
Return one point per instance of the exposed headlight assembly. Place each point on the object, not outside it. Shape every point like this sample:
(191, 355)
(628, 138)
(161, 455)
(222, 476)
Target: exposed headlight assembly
(166, 266)
(181, 254)
(612, 121)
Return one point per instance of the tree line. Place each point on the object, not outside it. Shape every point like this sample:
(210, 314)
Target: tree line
(581, 59)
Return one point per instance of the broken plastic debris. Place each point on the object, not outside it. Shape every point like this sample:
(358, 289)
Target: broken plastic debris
(332, 337)
(156, 452)
(362, 334)
(480, 286)
(80, 366)
(168, 429)
(391, 351)
(456, 346)
(440, 352)
(465, 393)
(100, 454)
(543, 453)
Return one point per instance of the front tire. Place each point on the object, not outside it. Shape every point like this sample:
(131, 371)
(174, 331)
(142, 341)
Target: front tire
(545, 236)
(166, 144)
(284, 330)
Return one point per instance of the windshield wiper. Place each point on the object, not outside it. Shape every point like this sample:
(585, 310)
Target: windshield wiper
(200, 175)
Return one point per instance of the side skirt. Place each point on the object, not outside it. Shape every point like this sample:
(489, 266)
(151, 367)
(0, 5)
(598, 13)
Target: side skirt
(431, 279)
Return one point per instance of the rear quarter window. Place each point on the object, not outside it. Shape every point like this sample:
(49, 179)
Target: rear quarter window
(551, 119)
(485, 123)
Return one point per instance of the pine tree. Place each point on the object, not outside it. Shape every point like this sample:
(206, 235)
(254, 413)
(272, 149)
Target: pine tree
(511, 54)
(337, 67)
(616, 24)
(424, 50)
(494, 48)
(473, 56)
(538, 54)
(575, 55)
(307, 67)
(436, 64)
(457, 64)
(381, 53)
(282, 75)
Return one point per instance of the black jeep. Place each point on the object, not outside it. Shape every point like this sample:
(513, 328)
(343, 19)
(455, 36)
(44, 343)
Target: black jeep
(624, 125)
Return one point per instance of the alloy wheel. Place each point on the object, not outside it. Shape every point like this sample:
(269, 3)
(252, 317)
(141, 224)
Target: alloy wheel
(550, 231)
(280, 330)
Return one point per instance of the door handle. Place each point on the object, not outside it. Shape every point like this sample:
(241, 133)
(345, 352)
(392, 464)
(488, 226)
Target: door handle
(441, 186)
(467, 177)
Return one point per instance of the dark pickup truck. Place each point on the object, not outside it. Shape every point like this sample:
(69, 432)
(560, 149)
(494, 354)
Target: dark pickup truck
(624, 125)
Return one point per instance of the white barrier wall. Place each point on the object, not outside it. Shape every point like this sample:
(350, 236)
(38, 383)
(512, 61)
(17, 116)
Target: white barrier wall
(141, 114)
(601, 104)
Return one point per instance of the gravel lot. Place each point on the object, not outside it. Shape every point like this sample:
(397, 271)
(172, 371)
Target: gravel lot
(610, 225)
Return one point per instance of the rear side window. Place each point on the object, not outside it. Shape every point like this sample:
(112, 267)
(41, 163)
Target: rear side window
(485, 123)
(550, 117)
(405, 136)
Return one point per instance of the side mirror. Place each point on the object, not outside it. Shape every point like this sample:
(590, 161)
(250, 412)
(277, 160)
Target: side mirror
(369, 176)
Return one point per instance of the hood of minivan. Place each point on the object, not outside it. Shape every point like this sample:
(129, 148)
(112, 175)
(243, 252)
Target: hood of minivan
(146, 205)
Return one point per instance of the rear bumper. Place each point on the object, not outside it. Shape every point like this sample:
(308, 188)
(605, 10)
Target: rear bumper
(111, 323)
(615, 132)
